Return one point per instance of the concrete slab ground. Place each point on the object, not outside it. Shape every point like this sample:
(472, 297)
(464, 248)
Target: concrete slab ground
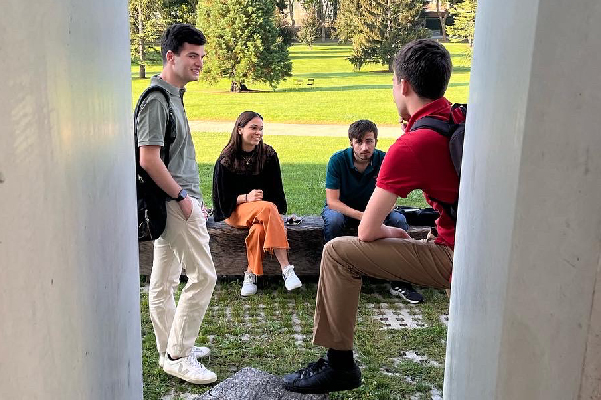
(275, 128)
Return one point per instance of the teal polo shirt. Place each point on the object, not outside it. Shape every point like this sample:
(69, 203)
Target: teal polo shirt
(355, 187)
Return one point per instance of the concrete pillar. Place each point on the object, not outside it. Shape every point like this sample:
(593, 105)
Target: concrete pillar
(525, 315)
(69, 288)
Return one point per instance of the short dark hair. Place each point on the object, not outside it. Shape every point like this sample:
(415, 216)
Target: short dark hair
(176, 35)
(358, 129)
(426, 65)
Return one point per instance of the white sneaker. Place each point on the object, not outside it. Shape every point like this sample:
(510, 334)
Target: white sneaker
(189, 369)
(249, 286)
(291, 281)
(198, 351)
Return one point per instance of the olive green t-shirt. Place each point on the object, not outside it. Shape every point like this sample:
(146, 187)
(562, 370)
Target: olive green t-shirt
(152, 122)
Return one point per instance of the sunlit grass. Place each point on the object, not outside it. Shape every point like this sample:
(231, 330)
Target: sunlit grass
(303, 160)
(340, 95)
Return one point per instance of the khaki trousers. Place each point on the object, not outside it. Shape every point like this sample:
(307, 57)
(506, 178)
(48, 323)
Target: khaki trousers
(346, 259)
(266, 231)
(184, 243)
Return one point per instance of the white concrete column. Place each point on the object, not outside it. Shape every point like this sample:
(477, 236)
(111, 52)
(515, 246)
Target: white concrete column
(69, 288)
(525, 317)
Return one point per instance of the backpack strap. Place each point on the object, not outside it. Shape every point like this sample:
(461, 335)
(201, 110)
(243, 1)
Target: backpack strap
(435, 124)
(169, 128)
(446, 129)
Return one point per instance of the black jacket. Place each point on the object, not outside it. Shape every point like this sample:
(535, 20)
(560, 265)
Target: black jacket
(227, 185)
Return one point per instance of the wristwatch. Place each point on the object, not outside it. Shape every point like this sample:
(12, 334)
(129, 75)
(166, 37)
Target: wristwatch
(181, 195)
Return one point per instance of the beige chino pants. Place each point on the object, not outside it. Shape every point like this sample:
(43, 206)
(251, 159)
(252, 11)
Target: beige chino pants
(346, 259)
(184, 243)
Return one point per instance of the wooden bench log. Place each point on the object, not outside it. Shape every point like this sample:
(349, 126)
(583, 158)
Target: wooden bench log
(229, 252)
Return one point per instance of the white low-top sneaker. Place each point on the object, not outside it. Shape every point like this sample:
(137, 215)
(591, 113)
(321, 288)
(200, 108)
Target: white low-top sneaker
(249, 286)
(201, 351)
(198, 351)
(189, 369)
(291, 281)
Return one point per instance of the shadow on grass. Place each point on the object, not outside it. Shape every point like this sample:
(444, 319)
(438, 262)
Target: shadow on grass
(317, 88)
(319, 56)
(462, 69)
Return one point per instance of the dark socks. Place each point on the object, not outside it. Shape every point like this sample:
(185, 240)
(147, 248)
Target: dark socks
(341, 359)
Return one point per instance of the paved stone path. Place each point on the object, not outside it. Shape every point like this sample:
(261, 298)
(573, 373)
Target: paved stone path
(275, 128)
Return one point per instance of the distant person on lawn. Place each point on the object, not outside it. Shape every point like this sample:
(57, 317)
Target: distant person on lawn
(350, 182)
(185, 241)
(248, 193)
(417, 160)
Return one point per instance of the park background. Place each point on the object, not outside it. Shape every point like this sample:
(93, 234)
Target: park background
(272, 330)
(339, 96)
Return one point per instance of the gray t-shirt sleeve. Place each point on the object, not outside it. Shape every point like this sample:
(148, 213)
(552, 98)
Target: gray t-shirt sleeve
(152, 121)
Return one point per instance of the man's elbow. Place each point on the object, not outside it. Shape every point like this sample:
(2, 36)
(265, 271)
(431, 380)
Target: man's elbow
(365, 234)
(146, 162)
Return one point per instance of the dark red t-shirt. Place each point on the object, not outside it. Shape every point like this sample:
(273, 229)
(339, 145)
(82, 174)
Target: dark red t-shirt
(421, 160)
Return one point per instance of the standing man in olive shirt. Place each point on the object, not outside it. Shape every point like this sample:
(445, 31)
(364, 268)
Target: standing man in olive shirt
(185, 241)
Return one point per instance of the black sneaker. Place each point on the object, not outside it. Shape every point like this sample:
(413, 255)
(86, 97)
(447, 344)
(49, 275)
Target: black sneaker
(406, 291)
(319, 377)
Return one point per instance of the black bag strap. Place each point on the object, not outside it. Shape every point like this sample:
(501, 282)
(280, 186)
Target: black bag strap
(169, 128)
(437, 125)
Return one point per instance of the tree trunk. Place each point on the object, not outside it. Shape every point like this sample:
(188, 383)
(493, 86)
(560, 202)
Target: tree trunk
(322, 12)
(141, 41)
(291, 11)
(443, 25)
(442, 17)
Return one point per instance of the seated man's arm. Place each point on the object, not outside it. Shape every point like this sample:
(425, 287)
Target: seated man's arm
(372, 224)
(334, 203)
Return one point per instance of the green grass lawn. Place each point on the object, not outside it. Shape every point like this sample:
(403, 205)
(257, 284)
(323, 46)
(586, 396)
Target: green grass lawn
(259, 332)
(340, 95)
(303, 160)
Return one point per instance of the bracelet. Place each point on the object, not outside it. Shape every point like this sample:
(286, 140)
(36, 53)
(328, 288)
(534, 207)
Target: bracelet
(246, 198)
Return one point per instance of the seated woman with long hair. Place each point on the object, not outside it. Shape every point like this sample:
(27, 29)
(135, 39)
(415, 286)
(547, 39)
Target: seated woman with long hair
(248, 193)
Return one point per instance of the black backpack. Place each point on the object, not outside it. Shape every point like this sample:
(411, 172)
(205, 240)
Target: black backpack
(152, 211)
(455, 131)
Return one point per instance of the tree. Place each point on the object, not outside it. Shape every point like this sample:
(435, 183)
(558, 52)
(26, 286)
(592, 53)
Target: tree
(146, 25)
(326, 12)
(464, 15)
(443, 13)
(243, 42)
(148, 19)
(379, 28)
(347, 23)
(180, 11)
(309, 30)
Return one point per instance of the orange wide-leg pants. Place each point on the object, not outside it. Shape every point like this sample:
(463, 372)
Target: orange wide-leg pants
(266, 231)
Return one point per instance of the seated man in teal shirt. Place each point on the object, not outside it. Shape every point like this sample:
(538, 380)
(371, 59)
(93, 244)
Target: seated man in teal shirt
(350, 181)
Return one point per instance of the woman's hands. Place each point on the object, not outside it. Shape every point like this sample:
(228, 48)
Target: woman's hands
(254, 195)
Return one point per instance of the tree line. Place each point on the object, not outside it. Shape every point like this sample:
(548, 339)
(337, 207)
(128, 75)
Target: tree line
(248, 40)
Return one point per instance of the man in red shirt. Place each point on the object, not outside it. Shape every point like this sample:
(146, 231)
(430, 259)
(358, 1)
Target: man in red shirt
(417, 160)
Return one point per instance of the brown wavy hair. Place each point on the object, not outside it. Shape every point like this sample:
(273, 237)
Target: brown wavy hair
(231, 155)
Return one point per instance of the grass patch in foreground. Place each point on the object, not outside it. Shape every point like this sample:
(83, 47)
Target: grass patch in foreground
(258, 332)
(339, 95)
(303, 160)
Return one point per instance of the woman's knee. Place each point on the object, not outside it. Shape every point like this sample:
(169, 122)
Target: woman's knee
(269, 207)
